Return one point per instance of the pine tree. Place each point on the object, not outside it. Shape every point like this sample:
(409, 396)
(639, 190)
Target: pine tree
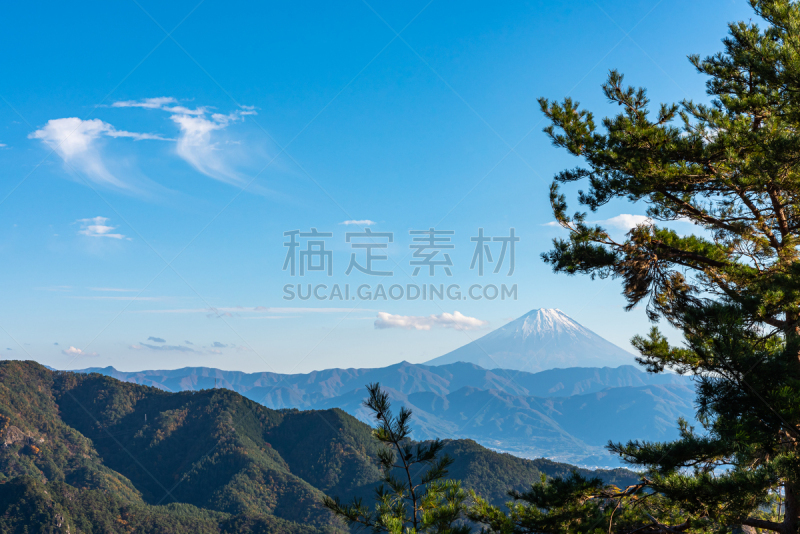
(732, 168)
(415, 497)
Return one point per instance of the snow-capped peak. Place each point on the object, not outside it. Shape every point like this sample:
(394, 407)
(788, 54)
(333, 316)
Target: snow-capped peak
(540, 322)
(540, 339)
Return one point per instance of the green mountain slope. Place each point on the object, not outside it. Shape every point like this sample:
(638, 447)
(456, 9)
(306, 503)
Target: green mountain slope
(564, 414)
(85, 449)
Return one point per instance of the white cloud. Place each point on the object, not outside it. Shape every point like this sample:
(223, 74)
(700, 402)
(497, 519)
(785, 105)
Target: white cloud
(365, 222)
(418, 322)
(164, 103)
(54, 288)
(75, 141)
(74, 351)
(197, 143)
(147, 103)
(626, 221)
(257, 310)
(198, 147)
(114, 289)
(97, 227)
(119, 298)
(167, 348)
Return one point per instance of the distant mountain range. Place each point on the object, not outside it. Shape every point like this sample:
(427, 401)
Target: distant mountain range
(584, 394)
(539, 340)
(88, 453)
(563, 414)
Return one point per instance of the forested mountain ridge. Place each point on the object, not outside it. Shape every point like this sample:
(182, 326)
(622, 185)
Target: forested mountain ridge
(564, 414)
(85, 449)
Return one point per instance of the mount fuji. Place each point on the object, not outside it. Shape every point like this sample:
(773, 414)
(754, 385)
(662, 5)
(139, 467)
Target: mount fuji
(539, 340)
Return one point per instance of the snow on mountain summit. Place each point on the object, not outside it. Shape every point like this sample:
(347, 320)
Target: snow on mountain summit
(541, 339)
(539, 322)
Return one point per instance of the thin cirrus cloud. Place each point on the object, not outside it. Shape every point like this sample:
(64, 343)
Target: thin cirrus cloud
(198, 143)
(76, 141)
(364, 222)
(455, 320)
(97, 227)
(79, 142)
(165, 103)
(258, 310)
(106, 297)
(167, 348)
(113, 289)
(156, 339)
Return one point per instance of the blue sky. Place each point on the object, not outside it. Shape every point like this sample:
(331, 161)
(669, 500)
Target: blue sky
(154, 154)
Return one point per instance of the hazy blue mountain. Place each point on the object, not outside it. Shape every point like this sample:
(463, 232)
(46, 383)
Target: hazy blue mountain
(276, 390)
(574, 428)
(563, 414)
(540, 339)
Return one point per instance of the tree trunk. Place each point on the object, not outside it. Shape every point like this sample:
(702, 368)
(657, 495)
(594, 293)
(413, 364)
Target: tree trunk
(791, 518)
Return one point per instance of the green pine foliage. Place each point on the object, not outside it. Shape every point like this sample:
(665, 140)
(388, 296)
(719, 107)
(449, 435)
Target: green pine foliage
(415, 496)
(732, 168)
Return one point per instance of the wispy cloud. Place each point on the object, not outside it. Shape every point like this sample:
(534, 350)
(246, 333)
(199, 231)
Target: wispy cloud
(105, 297)
(113, 289)
(148, 103)
(76, 142)
(156, 339)
(219, 345)
(97, 227)
(198, 147)
(169, 348)
(239, 310)
(74, 351)
(453, 320)
(364, 222)
(58, 289)
(164, 103)
(198, 142)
